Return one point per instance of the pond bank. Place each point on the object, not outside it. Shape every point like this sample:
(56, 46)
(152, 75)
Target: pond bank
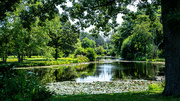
(102, 61)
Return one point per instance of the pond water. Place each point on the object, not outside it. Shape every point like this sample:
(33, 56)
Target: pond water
(106, 71)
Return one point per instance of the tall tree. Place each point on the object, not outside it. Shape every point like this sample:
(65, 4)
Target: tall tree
(171, 29)
(7, 6)
(87, 43)
(63, 35)
(100, 11)
(6, 44)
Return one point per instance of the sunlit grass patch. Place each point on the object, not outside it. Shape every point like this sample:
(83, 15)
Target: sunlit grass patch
(40, 61)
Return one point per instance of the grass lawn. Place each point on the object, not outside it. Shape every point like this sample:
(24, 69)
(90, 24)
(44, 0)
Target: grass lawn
(40, 61)
(136, 96)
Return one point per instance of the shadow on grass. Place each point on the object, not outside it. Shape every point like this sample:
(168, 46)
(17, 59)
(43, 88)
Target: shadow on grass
(139, 96)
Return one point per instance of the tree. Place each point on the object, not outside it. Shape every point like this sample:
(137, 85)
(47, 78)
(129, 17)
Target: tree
(7, 6)
(87, 43)
(138, 43)
(122, 33)
(98, 39)
(5, 43)
(26, 35)
(99, 50)
(63, 36)
(171, 26)
(21, 17)
(100, 11)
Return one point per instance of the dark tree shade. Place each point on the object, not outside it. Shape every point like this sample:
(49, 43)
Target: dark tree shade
(5, 6)
(171, 29)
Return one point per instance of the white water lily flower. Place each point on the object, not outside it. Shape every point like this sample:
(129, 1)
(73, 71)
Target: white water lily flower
(71, 88)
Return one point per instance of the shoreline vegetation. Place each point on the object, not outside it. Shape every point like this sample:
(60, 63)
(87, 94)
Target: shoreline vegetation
(40, 61)
(123, 90)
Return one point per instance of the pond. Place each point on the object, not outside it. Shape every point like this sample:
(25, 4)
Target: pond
(107, 70)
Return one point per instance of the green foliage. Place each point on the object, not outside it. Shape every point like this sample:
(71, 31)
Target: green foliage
(141, 59)
(87, 43)
(157, 60)
(35, 61)
(80, 51)
(88, 52)
(122, 33)
(48, 53)
(91, 54)
(99, 50)
(82, 58)
(112, 52)
(146, 36)
(139, 43)
(97, 38)
(127, 49)
(78, 44)
(21, 86)
(63, 36)
(155, 87)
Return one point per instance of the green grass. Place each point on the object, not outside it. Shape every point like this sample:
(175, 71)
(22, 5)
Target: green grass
(157, 60)
(40, 61)
(153, 60)
(130, 96)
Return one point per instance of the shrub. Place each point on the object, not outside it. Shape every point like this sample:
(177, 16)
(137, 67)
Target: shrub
(87, 43)
(99, 50)
(21, 86)
(91, 55)
(127, 49)
(112, 52)
(154, 87)
(82, 58)
(80, 51)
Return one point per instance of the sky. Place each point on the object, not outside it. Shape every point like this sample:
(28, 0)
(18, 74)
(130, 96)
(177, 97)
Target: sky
(119, 16)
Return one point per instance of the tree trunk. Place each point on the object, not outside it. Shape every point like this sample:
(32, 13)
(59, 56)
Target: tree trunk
(4, 58)
(22, 56)
(56, 54)
(172, 46)
(19, 59)
(29, 53)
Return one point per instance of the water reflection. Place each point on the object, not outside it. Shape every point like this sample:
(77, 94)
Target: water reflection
(99, 72)
(102, 73)
(124, 70)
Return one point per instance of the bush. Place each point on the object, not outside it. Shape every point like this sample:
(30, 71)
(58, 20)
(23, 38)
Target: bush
(112, 52)
(108, 54)
(21, 86)
(154, 87)
(99, 50)
(127, 50)
(87, 43)
(80, 51)
(141, 59)
(91, 55)
(82, 58)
